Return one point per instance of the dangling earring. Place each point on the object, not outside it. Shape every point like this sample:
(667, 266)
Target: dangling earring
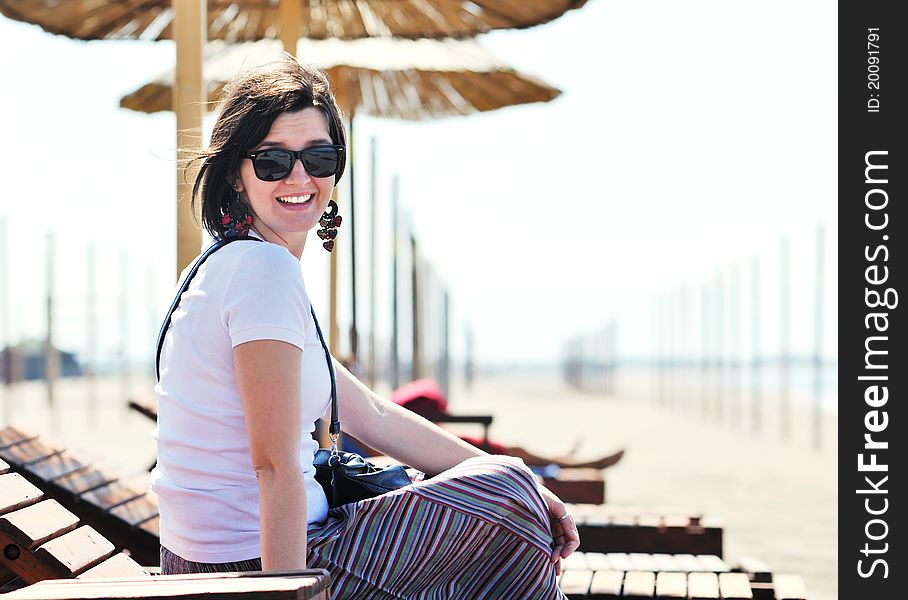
(236, 219)
(330, 221)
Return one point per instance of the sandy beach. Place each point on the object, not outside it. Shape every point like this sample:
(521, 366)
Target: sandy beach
(776, 499)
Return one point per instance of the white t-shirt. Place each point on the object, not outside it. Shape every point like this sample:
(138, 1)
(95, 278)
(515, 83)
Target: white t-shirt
(207, 489)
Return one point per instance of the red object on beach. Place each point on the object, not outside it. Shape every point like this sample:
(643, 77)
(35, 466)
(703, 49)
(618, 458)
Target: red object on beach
(422, 396)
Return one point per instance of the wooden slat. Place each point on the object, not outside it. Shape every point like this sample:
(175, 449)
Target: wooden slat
(619, 561)
(671, 586)
(702, 586)
(152, 526)
(16, 492)
(642, 562)
(639, 585)
(55, 466)
(688, 563)
(606, 585)
(666, 562)
(735, 586)
(118, 565)
(136, 511)
(27, 452)
(713, 563)
(81, 481)
(597, 561)
(789, 587)
(14, 435)
(575, 583)
(303, 585)
(74, 552)
(755, 568)
(576, 560)
(33, 525)
(110, 495)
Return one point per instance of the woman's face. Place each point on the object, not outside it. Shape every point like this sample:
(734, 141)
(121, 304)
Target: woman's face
(284, 211)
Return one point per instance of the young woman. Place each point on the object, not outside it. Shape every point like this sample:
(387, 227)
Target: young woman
(243, 378)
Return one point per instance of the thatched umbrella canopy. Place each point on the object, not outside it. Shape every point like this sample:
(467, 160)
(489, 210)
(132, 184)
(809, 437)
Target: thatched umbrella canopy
(251, 20)
(404, 79)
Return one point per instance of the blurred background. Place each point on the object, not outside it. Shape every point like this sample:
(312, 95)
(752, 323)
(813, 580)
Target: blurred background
(646, 260)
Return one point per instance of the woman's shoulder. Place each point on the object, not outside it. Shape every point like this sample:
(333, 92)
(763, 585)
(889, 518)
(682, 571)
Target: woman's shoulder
(257, 257)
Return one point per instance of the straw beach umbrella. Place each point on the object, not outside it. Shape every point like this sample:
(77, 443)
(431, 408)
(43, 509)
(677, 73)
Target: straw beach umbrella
(404, 79)
(192, 22)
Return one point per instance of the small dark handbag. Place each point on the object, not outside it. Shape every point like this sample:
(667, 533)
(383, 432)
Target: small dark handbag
(346, 477)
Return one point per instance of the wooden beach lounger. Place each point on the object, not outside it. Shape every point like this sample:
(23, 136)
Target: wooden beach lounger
(122, 514)
(616, 576)
(606, 528)
(41, 541)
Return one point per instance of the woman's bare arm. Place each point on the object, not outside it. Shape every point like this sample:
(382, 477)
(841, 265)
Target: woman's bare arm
(396, 431)
(268, 376)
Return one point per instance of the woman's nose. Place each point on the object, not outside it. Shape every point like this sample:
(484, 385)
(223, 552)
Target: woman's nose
(298, 173)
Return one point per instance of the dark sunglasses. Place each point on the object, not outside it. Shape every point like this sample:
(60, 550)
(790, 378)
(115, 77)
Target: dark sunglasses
(276, 163)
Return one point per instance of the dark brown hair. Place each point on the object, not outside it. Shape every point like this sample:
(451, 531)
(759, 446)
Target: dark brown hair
(249, 107)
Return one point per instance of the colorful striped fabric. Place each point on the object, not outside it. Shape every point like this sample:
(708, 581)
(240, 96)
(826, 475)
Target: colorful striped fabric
(479, 530)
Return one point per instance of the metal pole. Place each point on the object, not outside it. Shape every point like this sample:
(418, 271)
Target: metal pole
(705, 400)
(445, 346)
(91, 330)
(395, 358)
(720, 379)
(124, 325)
(785, 344)
(818, 344)
(6, 346)
(51, 359)
(735, 391)
(354, 332)
(372, 276)
(416, 360)
(756, 417)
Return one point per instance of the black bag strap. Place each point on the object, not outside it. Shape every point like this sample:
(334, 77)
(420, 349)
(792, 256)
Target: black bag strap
(176, 301)
(335, 426)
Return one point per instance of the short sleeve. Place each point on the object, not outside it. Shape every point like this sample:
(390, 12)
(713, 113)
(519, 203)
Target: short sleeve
(266, 298)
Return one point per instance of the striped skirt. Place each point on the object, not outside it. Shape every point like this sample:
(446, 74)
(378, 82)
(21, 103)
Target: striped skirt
(478, 530)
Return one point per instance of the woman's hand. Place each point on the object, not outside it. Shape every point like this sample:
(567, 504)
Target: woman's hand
(564, 530)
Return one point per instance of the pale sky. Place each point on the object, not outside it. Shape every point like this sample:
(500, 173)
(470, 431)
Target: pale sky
(690, 136)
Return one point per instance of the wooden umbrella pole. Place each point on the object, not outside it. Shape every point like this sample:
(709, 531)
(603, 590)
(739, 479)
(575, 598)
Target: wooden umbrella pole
(190, 31)
(291, 16)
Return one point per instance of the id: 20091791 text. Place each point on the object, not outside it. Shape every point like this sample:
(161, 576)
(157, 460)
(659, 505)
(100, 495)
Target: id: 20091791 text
(873, 69)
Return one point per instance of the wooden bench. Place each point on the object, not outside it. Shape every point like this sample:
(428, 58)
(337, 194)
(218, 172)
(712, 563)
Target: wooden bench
(40, 539)
(638, 576)
(124, 515)
(607, 528)
(576, 485)
(310, 584)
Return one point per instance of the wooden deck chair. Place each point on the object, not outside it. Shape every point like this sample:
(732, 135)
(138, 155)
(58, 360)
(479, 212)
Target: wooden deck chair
(616, 576)
(40, 539)
(607, 528)
(124, 515)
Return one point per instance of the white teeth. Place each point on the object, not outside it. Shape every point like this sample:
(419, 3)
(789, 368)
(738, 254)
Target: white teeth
(295, 199)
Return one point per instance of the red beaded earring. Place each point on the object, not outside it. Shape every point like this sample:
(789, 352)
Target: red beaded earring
(236, 219)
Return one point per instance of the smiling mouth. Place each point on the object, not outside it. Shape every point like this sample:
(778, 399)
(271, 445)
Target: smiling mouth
(295, 199)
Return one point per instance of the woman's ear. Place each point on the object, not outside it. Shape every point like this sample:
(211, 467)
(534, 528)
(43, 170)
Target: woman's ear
(236, 183)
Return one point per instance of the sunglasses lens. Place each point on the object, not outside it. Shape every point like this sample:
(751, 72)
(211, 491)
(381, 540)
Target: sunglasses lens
(271, 165)
(321, 161)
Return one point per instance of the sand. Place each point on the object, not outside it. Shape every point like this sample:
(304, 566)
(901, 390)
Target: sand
(776, 499)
